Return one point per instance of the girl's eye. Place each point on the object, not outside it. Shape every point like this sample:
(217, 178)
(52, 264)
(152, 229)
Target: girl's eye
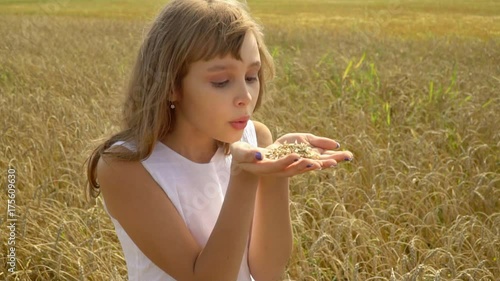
(252, 79)
(220, 84)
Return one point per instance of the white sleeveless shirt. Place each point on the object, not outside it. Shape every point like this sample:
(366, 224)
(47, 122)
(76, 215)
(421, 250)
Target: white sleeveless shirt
(197, 192)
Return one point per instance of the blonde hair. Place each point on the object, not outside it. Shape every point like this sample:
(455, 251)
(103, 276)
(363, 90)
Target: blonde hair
(184, 32)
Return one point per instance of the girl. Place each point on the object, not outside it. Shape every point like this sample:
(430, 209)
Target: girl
(185, 182)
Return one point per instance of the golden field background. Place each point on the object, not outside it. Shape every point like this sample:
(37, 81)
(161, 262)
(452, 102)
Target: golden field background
(410, 87)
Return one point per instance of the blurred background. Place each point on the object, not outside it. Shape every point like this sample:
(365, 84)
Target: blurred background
(410, 87)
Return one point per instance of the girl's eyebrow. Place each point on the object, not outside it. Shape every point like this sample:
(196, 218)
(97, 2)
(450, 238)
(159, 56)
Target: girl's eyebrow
(220, 67)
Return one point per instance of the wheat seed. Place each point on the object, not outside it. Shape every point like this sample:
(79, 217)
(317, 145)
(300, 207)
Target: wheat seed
(285, 149)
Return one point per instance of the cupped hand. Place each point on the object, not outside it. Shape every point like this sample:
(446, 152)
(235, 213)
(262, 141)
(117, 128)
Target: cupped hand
(252, 159)
(326, 148)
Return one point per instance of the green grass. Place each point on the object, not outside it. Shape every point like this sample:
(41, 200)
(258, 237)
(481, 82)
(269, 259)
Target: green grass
(411, 87)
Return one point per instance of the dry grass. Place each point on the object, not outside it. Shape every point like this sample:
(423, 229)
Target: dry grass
(417, 105)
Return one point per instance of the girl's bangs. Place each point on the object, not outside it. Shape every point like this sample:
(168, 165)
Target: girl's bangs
(217, 44)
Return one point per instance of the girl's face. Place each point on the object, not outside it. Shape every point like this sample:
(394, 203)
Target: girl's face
(219, 95)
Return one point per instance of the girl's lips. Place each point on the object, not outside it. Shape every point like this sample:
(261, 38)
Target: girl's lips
(239, 125)
(242, 119)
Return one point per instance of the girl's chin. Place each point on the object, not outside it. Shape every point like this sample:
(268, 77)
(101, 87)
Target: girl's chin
(231, 139)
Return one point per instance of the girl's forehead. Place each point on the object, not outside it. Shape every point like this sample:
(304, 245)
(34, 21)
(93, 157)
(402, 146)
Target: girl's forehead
(249, 56)
(228, 63)
(223, 64)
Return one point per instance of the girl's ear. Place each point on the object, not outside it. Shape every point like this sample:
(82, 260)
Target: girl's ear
(175, 95)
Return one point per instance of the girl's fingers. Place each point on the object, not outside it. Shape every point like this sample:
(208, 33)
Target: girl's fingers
(290, 165)
(286, 161)
(268, 166)
(306, 165)
(328, 164)
(323, 143)
(287, 167)
(338, 156)
(245, 153)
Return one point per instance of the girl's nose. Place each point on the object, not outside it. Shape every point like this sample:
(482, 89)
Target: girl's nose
(244, 97)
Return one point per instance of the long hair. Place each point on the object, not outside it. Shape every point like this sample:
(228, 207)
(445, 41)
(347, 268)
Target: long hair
(184, 32)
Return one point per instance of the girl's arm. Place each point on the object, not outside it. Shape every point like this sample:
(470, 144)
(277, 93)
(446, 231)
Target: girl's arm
(271, 236)
(152, 222)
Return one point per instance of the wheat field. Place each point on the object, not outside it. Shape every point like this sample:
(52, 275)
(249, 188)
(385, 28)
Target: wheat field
(412, 88)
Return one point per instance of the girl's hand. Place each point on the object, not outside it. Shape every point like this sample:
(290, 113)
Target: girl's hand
(252, 159)
(324, 147)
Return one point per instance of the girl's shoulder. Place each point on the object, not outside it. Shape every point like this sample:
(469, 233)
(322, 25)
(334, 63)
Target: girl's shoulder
(263, 134)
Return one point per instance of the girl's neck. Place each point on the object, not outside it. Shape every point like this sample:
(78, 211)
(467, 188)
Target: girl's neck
(198, 150)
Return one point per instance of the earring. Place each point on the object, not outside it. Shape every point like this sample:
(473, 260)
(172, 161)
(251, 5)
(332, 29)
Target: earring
(172, 106)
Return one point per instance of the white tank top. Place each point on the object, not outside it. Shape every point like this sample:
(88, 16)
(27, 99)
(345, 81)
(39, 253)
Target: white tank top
(197, 192)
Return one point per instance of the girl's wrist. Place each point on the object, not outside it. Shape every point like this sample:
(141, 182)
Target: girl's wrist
(238, 172)
(275, 180)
